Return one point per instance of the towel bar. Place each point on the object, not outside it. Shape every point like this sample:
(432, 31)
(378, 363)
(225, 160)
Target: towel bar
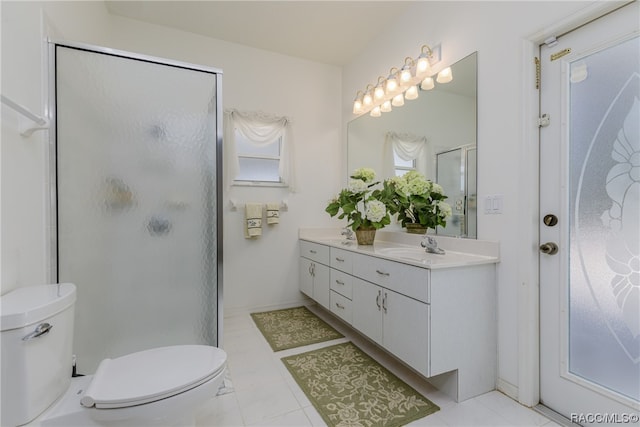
(40, 122)
(234, 205)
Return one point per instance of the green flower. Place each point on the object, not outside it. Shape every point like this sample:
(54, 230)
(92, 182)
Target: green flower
(365, 174)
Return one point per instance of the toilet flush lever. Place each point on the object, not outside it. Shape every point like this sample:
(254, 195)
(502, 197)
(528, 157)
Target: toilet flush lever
(40, 330)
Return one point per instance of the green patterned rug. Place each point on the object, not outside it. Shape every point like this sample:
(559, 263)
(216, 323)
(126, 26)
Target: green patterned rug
(350, 389)
(293, 327)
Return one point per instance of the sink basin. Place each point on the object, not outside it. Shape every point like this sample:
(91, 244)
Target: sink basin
(414, 254)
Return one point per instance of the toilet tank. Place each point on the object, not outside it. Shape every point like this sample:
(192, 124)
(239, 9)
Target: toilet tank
(36, 339)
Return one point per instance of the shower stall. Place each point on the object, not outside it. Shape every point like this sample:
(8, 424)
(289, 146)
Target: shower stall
(136, 181)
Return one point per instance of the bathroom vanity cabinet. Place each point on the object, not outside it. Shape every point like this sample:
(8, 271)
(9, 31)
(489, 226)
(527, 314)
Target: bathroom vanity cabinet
(314, 272)
(437, 319)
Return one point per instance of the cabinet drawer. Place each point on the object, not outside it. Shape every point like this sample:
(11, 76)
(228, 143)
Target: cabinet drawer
(342, 283)
(402, 278)
(315, 251)
(341, 306)
(342, 260)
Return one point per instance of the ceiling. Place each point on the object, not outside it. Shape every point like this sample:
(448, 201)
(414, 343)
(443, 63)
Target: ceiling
(331, 32)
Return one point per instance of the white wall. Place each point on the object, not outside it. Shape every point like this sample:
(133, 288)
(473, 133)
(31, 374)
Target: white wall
(496, 30)
(256, 273)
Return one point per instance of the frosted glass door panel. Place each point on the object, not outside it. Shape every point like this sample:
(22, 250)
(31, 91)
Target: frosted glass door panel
(136, 157)
(604, 304)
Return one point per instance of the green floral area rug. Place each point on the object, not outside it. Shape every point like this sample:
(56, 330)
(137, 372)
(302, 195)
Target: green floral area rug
(293, 327)
(350, 389)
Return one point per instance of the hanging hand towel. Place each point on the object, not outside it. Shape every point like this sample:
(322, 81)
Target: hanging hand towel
(253, 220)
(273, 213)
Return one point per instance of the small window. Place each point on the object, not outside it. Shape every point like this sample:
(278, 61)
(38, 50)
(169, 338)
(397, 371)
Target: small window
(258, 163)
(402, 166)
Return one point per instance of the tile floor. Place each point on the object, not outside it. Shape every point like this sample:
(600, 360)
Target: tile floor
(265, 394)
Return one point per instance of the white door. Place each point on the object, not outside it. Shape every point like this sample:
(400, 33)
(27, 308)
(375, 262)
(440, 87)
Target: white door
(590, 182)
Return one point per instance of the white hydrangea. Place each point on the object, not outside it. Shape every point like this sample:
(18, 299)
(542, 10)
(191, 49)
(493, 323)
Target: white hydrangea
(437, 188)
(357, 186)
(444, 208)
(376, 210)
(365, 174)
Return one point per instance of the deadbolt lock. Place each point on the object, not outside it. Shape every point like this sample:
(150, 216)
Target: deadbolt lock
(549, 248)
(550, 220)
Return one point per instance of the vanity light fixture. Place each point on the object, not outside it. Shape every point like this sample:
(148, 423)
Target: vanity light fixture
(411, 93)
(367, 99)
(378, 92)
(398, 100)
(357, 103)
(445, 76)
(392, 81)
(402, 83)
(405, 73)
(424, 60)
(427, 83)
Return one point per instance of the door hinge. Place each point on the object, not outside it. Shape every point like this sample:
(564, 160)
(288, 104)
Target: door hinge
(536, 60)
(544, 121)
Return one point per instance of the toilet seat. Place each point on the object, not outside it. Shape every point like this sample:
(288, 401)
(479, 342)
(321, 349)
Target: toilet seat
(151, 375)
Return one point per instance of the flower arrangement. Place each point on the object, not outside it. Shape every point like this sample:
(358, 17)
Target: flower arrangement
(362, 205)
(417, 200)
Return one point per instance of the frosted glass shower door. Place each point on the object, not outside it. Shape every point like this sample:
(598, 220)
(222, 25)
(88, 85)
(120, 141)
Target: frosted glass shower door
(136, 201)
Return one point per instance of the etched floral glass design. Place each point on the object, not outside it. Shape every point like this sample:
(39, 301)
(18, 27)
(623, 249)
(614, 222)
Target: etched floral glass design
(604, 185)
(136, 202)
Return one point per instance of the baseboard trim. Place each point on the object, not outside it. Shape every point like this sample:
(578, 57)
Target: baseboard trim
(507, 388)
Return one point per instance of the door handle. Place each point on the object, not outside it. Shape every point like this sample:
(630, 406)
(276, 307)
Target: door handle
(549, 248)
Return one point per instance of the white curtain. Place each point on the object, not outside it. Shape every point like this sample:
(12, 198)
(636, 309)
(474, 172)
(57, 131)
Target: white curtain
(407, 147)
(260, 129)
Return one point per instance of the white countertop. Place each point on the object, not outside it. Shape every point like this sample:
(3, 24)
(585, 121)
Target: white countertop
(395, 246)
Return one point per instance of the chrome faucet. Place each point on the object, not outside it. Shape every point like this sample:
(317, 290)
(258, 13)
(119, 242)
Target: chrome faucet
(348, 233)
(431, 245)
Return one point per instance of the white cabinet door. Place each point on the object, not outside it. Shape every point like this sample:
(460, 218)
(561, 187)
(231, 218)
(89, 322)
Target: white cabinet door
(405, 329)
(367, 309)
(321, 285)
(306, 277)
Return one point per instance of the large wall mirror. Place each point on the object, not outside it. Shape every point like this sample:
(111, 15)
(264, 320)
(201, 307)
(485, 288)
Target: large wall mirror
(444, 119)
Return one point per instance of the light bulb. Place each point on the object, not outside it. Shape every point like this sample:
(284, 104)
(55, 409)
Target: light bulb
(386, 106)
(357, 106)
(405, 76)
(378, 92)
(427, 84)
(411, 93)
(422, 66)
(375, 112)
(445, 76)
(367, 100)
(392, 84)
(398, 100)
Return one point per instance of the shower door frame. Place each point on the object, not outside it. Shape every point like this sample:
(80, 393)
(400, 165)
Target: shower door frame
(52, 155)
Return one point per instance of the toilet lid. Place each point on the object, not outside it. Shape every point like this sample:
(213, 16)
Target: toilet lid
(151, 375)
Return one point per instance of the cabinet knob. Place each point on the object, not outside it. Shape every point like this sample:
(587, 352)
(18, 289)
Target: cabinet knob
(341, 307)
(382, 273)
(339, 282)
(339, 259)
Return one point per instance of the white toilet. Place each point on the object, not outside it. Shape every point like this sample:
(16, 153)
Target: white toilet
(160, 386)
